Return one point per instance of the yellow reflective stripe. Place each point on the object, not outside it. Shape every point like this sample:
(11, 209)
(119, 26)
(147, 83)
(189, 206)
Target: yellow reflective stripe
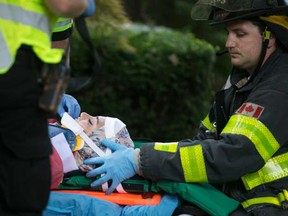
(52, 56)
(261, 200)
(193, 164)
(283, 196)
(62, 24)
(206, 122)
(274, 169)
(167, 147)
(256, 132)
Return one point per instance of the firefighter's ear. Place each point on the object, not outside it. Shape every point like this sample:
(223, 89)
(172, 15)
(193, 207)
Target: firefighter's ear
(272, 42)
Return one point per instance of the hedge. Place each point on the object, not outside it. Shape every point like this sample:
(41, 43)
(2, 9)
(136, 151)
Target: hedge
(156, 80)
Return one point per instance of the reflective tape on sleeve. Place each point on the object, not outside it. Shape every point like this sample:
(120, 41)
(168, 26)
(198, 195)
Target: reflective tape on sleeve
(166, 147)
(274, 169)
(63, 24)
(256, 132)
(193, 164)
(207, 123)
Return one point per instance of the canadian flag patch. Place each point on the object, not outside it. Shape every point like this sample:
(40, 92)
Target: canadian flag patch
(251, 109)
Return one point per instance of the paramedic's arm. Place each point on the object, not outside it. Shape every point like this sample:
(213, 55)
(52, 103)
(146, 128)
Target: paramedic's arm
(67, 8)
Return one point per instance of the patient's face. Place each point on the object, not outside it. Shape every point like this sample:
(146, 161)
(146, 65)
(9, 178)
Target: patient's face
(90, 123)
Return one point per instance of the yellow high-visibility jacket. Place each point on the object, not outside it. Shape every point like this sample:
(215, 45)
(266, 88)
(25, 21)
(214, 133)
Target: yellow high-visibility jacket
(26, 23)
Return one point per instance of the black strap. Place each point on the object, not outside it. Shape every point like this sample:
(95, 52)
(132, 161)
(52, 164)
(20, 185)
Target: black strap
(80, 83)
(221, 115)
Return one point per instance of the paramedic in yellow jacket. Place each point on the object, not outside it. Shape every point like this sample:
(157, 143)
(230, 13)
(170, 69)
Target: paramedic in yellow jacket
(25, 45)
(242, 145)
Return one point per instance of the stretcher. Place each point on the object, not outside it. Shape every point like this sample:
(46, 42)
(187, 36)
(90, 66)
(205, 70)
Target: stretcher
(201, 199)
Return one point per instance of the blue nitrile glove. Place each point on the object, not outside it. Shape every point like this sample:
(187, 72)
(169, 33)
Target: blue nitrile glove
(118, 166)
(166, 207)
(70, 105)
(90, 9)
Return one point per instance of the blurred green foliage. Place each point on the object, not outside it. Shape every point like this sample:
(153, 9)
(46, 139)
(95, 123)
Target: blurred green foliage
(176, 14)
(157, 80)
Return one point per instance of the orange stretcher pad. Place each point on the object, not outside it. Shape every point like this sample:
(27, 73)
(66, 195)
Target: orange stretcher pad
(120, 198)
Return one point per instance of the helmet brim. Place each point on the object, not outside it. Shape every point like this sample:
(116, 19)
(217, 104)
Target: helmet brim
(279, 27)
(218, 12)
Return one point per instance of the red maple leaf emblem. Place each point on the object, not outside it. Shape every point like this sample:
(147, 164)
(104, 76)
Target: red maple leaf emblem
(249, 109)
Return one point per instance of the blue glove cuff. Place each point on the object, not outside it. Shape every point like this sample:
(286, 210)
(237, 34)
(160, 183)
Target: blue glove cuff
(137, 161)
(91, 9)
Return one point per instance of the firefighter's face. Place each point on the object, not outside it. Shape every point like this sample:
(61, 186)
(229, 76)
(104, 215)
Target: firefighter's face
(90, 123)
(244, 44)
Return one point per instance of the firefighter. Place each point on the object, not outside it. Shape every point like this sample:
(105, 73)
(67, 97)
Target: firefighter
(242, 144)
(25, 41)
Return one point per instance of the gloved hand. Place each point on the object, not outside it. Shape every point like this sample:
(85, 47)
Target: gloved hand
(118, 166)
(70, 105)
(90, 9)
(167, 206)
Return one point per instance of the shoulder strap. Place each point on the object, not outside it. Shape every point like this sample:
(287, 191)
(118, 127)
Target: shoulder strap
(80, 83)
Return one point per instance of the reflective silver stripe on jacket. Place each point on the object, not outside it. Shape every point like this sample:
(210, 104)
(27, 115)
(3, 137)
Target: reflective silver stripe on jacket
(30, 18)
(19, 15)
(5, 56)
(63, 23)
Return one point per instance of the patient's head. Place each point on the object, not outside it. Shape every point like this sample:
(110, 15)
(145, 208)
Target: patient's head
(94, 127)
(90, 123)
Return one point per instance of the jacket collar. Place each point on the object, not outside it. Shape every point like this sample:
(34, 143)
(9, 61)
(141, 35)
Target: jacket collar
(240, 79)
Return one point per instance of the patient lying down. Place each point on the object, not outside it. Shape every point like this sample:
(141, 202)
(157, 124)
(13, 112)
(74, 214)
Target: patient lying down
(96, 128)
